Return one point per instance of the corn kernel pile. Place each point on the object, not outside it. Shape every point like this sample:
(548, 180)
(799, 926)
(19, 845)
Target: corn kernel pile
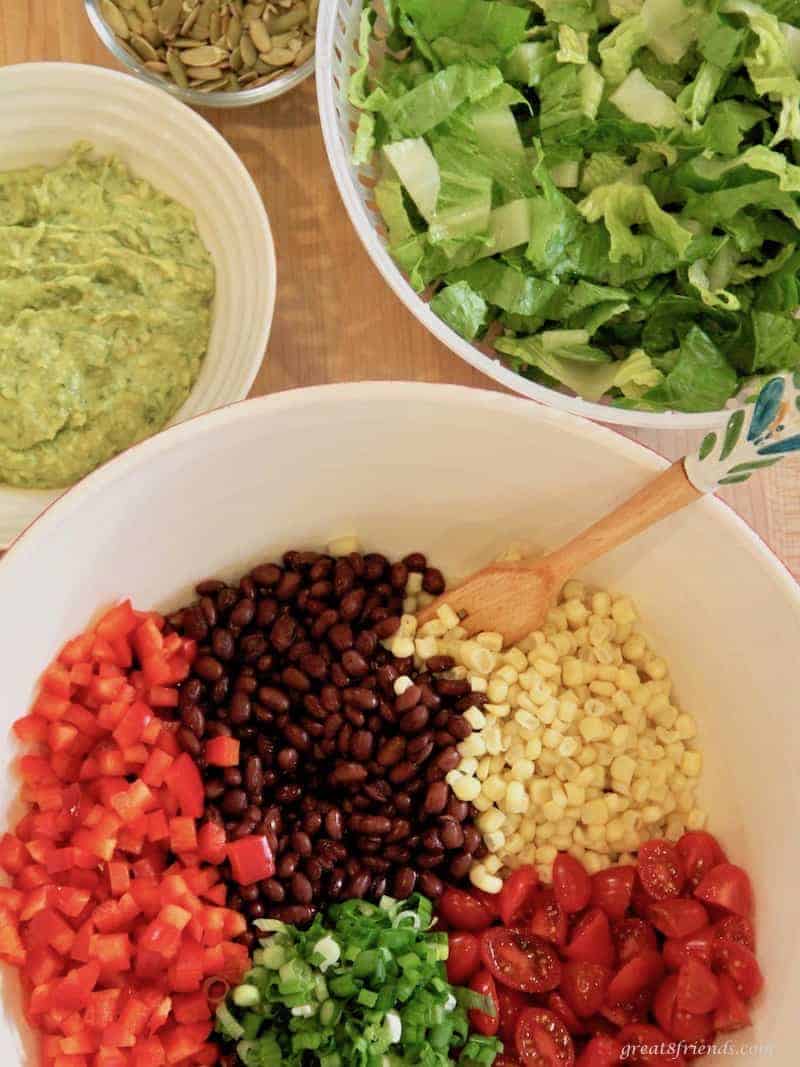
(579, 746)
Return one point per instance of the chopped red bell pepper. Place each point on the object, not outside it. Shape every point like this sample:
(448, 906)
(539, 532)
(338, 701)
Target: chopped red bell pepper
(222, 752)
(251, 859)
(184, 782)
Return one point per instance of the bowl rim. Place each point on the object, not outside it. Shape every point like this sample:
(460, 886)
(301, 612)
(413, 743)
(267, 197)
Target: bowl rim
(492, 367)
(42, 499)
(241, 98)
(407, 393)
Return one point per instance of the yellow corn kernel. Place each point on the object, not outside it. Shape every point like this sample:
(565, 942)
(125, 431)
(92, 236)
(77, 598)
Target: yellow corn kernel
(691, 763)
(467, 788)
(594, 813)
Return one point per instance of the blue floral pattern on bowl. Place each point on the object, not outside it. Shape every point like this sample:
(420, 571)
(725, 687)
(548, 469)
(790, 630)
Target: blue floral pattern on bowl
(772, 431)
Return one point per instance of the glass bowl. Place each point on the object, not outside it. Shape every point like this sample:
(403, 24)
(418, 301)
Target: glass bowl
(242, 98)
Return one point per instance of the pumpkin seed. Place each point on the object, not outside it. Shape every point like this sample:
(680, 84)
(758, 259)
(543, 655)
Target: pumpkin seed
(234, 34)
(213, 87)
(143, 47)
(126, 5)
(259, 35)
(236, 60)
(292, 19)
(248, 50)
(135, 24)
(189, 21)
(265, 79)
(169, 15)
(204, 74)
(253, 11)
(279, 57)
(115, 19)
(157, 66)
(177, 69)
(143, 10)
(214, 26)
(153, 34)
(305, 52)
(205, 56)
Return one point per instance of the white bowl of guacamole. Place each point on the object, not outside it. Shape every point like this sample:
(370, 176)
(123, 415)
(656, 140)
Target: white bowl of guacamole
(137, 275)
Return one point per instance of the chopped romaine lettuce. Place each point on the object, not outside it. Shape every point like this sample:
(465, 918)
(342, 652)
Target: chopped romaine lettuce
(613, 183)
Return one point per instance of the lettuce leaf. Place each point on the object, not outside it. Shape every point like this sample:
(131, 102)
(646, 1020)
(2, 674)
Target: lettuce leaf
(484, 31)
(464, 310)
(621, 206)
(702, 379)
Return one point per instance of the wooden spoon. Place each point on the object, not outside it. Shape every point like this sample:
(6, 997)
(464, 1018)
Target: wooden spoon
(515, 597)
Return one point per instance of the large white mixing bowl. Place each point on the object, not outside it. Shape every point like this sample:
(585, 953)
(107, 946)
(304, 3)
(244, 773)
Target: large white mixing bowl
(459, 474)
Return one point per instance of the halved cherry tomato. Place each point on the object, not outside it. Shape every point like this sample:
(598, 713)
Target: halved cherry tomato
(542, 1040)
(612, 889)
(735, 928)
(584, 986)
(518, 895)
(559, 1006)
(602, 1051)
(632, 937)
(731, 1013)
(728, 887)
(741, 966)
(461, 911)
(464, 957)
(677, 1023)
(699, 852)
(647, 1046)
(490, 901)
(678, 916)
(571, 883)
(698, 988)
(520, 960)
(591, 939)
(642, 972)
(512, 1002)
(550, 920)
(676, 951)
(660, 869)
(482, 1021)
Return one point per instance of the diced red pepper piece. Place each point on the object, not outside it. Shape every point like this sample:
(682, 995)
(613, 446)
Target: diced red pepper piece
(119, 621)
(48, 928)
(13, 854)
(11, 948)
(132, 725)
(191, 1007)
(31, 729)
(211, 843)
(184, 782)
(112, 951)
(70, 901)
(134, 802)
(251, 859)
(187, 971)
(149, 1053)
(73, 991)
(222, 752)
(180, 1042)
(182, 834)
(101, 1008)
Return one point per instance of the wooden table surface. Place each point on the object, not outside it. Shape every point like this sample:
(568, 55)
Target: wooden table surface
(335, 319)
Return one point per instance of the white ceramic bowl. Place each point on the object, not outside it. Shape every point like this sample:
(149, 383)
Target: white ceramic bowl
(46, 107)
(337, 39)
(395, 463)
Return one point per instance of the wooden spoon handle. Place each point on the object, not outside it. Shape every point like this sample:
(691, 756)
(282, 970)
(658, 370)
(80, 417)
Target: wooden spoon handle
(666, 494)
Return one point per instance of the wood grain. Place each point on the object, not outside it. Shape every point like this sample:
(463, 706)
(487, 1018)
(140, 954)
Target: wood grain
(335, 319)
